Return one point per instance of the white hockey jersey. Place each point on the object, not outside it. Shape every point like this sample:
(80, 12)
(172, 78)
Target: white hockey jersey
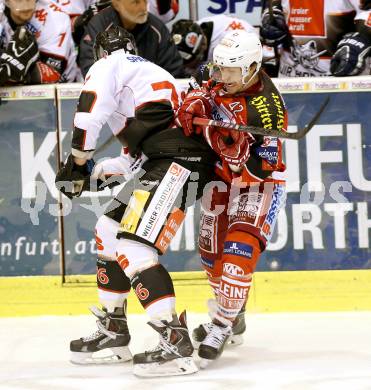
(316, 27)
(74, 7)
(116, 89)
(52, 29)
(215, 27)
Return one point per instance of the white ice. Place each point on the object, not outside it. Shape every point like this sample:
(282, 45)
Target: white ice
(306, 351)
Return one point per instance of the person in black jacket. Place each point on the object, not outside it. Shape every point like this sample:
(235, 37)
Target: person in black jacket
(151, 35)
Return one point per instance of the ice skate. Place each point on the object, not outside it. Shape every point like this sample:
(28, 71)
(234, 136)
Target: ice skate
(107, 345)
(238, 327)
(173, 354)
(213, 344)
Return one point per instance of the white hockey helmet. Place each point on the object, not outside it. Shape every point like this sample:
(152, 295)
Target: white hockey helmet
(239, 48)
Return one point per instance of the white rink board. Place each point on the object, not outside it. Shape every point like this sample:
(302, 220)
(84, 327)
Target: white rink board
(306, 351)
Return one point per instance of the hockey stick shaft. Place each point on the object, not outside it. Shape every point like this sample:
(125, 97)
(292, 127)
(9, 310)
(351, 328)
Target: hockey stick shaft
(262, 131)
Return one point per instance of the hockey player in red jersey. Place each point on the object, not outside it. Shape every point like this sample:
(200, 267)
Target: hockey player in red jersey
(239, 213)
(47, 36)
(320, 37)
(137, 99)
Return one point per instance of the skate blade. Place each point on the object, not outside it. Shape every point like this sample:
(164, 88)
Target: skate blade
(117, 355)
(180, 366)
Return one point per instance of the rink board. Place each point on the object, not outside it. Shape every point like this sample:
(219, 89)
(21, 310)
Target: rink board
(293, 291)
(325, 225)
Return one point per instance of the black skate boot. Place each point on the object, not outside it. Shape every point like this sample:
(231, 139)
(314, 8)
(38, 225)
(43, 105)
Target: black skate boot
(173, 354)
(109, 344)
(213, 344)
(238, 327)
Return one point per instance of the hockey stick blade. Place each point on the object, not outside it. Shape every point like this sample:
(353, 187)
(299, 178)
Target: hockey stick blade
(260, 130)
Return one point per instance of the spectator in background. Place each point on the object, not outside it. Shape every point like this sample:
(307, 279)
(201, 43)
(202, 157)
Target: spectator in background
(151, 35)
(35, 43)
(166, 10)
(196, 40)
(319, 38)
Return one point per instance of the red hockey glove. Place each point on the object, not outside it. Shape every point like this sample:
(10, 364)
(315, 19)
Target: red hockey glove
(232, 146)
(196, 104)
(43, 74)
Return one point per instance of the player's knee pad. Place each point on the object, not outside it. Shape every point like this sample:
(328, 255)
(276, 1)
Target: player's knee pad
(105, 237)
(134, 257)
(155, 291)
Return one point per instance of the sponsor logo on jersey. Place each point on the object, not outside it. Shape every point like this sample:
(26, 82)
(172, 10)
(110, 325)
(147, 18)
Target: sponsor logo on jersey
(134, 211)
(238, 249)
(206, 239)
(276, 203)
(135, 59)
(245, 208)
(162, 202)
(268, 150)
(207, 262)
(234, 292)
(233, 269)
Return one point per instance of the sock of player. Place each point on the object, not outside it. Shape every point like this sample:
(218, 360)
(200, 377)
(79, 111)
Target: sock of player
(113, 284)
(213, 269)
(240, 256)
(149, 279)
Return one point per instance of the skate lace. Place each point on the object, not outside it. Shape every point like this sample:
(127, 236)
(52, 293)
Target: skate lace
(101, 327)
(165, 345)
(217, 335)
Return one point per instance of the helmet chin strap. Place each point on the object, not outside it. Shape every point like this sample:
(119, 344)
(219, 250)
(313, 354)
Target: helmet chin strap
(251, 77)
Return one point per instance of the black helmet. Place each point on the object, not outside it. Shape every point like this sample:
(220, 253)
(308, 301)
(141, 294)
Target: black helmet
(189, 39)
(115, 38)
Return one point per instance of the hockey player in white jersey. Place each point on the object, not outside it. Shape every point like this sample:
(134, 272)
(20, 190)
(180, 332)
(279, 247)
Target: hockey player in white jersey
(50, 29)
(80, 13)
(196, 40)
(137, 99)
(319, 38)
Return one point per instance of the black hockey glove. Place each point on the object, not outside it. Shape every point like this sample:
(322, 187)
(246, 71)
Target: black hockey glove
(365, 5)
(350, 56)
(79, 23)
(20, 54)
(73, 179)
(274, 31)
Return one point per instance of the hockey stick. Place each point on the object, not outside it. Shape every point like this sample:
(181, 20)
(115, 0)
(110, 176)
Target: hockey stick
(260, 130)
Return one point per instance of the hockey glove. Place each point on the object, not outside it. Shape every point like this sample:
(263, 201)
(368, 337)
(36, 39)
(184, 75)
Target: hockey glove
(274, 31)
(79, 22)
(42, 73)
(20, 54)
(73, 179)
(365, 5)
(196, 104)
(350, 56)
(232, 146)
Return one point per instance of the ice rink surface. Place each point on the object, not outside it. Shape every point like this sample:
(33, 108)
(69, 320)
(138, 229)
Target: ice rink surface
(293, 351)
